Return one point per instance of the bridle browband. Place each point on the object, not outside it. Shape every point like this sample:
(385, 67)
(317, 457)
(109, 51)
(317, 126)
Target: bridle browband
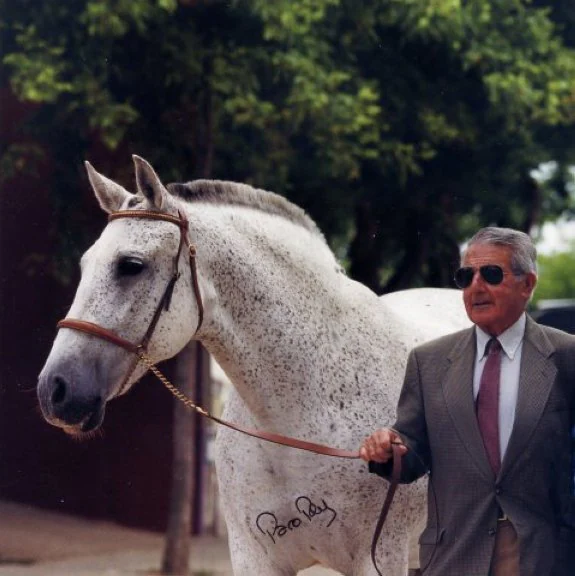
(165, 300)
(140, 354)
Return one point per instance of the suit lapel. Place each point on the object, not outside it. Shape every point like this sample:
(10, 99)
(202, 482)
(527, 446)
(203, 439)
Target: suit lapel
(536, 378)
(458, 393)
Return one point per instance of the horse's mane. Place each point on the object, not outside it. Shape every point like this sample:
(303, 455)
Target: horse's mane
(234, 193)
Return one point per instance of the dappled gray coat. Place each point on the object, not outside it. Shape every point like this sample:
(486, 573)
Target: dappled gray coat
(436, 418)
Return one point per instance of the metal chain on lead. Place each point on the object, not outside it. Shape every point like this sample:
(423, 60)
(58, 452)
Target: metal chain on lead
(260, 434)
(177, 393)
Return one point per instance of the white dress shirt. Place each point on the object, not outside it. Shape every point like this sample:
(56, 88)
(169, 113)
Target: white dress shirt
(512, 345)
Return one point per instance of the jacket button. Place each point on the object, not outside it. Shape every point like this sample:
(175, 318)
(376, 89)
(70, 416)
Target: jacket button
(498, 491)
(492, 531)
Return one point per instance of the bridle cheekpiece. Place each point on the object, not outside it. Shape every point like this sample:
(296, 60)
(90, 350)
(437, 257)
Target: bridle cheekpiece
(164, 304)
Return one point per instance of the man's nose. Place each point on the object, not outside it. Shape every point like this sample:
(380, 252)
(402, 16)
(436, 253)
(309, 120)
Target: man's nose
(477, 281)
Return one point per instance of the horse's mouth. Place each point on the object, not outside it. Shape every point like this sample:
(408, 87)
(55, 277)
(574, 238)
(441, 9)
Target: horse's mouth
(88, 425)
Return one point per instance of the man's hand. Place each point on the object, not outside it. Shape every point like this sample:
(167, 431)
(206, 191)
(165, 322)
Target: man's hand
(377, 447)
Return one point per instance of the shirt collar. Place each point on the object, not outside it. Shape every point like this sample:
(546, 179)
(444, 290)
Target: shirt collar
(509, 340)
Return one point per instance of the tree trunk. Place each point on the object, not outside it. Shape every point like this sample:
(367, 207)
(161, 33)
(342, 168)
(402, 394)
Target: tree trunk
(364, 254)
(177, 546)
(205, 123)
(533, 201)
(203, 398)
(416, 246)
(193, 378)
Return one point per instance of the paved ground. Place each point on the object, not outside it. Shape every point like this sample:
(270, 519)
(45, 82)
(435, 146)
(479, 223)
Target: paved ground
(39, 543)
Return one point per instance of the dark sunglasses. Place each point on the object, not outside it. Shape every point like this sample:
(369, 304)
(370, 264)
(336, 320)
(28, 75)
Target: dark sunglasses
(491, 273)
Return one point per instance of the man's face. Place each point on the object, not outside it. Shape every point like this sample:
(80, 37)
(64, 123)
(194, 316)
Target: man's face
(494, 308)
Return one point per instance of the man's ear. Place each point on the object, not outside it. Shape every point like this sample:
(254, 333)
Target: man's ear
(149, 185)
(530, 281)
(110, 195)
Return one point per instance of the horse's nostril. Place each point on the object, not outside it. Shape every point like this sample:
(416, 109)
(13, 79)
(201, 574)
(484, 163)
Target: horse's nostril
(59, 393)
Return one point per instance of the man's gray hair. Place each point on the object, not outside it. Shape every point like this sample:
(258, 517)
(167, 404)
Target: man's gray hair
(523, 251)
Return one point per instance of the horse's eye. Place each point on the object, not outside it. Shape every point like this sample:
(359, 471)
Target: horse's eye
(130, 266)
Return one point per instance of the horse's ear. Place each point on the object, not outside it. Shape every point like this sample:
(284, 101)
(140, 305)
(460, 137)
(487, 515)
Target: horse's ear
(110, 195)
(149, 185)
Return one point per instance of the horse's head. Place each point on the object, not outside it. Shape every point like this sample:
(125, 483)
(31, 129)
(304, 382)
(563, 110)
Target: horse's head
(128, 288)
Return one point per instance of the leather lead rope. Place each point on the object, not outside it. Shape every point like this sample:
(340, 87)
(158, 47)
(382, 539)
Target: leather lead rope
(261, 434)
(394, 482)
(139, 350)
(294, 443)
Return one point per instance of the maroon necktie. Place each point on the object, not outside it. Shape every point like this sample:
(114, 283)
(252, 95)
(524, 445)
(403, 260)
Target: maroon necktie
(488, 403)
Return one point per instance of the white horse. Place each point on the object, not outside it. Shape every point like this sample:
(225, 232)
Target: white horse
(310, 352)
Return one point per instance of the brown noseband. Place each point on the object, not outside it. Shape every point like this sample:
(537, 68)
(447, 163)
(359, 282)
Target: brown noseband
(164, 303)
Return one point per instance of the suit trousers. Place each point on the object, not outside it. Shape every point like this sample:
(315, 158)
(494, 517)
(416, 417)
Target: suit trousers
(565, 557)
(505, 561)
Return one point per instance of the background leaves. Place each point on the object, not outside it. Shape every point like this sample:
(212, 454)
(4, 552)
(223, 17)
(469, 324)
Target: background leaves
(401, 126)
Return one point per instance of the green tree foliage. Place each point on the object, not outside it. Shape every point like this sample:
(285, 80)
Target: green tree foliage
(556, 276)
(400, 125)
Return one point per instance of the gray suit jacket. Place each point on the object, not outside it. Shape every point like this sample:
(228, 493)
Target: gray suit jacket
(436, 418)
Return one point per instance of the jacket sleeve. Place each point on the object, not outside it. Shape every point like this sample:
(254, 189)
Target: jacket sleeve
(412, 428)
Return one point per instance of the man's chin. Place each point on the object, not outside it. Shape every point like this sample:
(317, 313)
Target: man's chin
(482, 317)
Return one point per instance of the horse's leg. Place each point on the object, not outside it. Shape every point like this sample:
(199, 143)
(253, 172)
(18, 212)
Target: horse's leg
(391, 566)
(249, 561)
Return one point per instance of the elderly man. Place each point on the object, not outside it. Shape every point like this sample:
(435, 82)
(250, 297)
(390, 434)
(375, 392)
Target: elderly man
(488, 412)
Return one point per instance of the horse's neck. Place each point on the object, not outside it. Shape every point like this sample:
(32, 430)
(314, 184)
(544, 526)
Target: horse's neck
(278, 309)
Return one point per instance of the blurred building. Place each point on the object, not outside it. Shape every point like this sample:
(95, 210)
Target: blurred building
(123, 473)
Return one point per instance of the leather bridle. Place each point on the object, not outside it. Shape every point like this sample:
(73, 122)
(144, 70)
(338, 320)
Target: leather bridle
(164, 304)
(140, 355)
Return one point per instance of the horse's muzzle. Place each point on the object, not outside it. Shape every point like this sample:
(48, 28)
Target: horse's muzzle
(67, 406)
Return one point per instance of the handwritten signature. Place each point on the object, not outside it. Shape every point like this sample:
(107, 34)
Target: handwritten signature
(268, 523)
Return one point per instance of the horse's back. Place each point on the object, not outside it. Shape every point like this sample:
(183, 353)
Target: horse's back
(423, 314)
